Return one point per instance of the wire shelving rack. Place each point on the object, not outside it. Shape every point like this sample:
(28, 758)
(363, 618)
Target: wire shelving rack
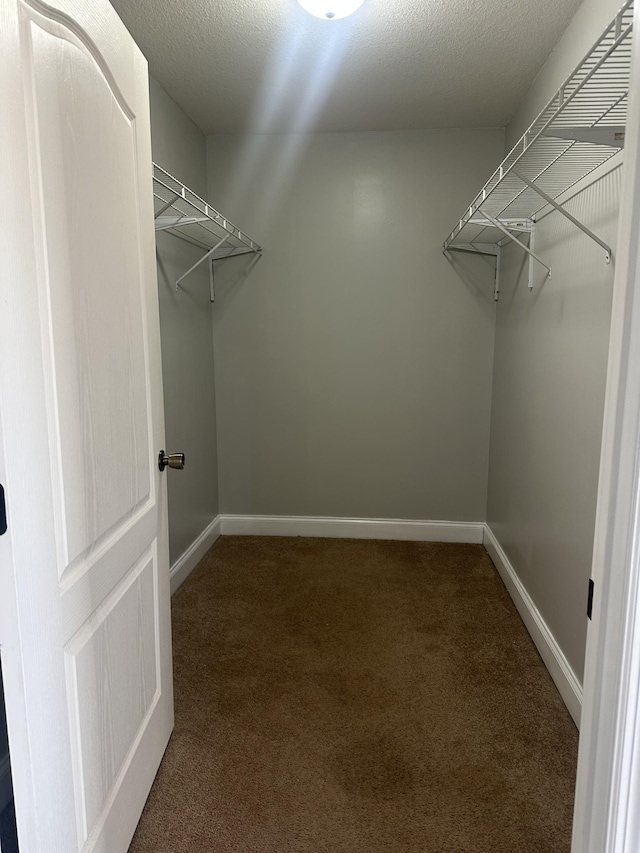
(581, 127)
(179, 211)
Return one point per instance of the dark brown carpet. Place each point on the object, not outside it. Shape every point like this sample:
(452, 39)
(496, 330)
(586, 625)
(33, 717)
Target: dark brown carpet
(338, 696)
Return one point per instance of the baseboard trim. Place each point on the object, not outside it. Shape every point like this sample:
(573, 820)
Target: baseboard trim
(6, 791)
(559, 668)
(352, 528)
(185, 564)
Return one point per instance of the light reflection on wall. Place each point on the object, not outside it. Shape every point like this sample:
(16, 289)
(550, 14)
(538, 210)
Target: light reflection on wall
(285, 91)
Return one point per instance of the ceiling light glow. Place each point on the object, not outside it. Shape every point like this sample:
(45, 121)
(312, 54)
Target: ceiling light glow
(331, 10)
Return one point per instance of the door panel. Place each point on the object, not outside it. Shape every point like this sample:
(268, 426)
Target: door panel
(94, 335)
(104, 569)
(110, 704)
(84, 587)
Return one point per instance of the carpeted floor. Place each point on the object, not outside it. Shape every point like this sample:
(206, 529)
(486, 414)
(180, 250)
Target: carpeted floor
(337, 696)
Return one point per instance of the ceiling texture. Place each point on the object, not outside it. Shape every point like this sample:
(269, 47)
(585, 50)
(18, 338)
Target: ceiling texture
(267, 66)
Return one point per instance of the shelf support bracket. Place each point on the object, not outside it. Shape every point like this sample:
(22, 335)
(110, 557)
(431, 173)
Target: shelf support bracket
(166, 206)
(519, 226)
(473, 249)
(491, 249)
(205, 257)
(532, 246)
(560, 209)
(212, 283)
(514, 239)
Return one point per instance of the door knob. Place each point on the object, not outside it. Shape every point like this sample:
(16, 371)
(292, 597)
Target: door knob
(171, 460)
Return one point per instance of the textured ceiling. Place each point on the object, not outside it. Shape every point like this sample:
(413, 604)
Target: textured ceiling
(268, 66)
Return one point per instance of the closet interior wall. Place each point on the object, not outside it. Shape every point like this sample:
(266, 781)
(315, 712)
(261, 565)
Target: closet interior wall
(353, 363)
(187, 338)
(549, 378)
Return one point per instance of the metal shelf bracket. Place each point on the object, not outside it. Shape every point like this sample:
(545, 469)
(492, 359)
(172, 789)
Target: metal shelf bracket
(205, 257)
(474, 248)
(561, 209)
(528, 249)
(210, 255)
(492, 249)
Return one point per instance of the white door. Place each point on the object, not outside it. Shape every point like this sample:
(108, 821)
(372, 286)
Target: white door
(84, 586)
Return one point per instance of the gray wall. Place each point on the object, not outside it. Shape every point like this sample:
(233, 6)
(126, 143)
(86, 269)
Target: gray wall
(187, 337)
(549, 381)
(353, 362)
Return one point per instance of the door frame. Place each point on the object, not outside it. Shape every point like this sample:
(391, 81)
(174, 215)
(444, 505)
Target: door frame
(608, 780)
(608, 777)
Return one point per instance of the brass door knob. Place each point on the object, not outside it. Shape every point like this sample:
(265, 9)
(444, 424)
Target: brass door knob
(170, 460)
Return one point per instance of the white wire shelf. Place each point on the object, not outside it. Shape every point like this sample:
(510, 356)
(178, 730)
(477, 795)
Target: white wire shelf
(179, 211)
(581, 127)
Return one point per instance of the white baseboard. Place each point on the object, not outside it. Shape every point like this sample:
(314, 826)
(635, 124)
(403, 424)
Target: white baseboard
(6, 792)
(352, 528)
(561, 672)
(183, 566)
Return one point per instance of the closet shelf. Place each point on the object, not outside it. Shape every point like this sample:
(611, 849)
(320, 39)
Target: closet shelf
(181, 212)
(581, 127)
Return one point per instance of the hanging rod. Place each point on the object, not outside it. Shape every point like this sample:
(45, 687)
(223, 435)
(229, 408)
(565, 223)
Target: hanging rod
(179, 211)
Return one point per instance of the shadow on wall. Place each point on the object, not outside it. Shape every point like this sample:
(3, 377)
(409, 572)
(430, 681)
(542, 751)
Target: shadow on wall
(168, 261)
(474, 271)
